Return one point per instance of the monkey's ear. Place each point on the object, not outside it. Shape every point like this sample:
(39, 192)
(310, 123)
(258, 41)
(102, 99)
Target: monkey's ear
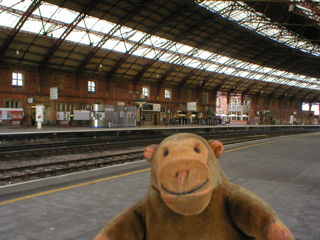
(149, 152)
(217, 147)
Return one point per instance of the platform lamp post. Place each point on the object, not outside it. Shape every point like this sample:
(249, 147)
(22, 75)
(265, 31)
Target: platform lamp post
(140, 102)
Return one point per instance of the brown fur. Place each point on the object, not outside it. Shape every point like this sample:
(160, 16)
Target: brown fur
(190, 198)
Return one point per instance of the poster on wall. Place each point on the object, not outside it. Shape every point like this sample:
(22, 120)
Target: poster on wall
(16, 115)
(60, 116)
(9, 115)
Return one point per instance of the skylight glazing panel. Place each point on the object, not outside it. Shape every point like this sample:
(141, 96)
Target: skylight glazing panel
(88, 22)
(164, 57)
(273, 34)
(173, 59)
(156, 41)
(46, 10)
(204, 54)
(137, 36)
(194, 63)
(212, 67)
(103, 26)
(141, 51)
(222, 60)
(32, 26)
(57, 32)
(115, 45)
(76, 36)
(184, 49)
(65, 15)
(161, 42)
(121, 32)
(239, 15)
(17, 4)
(152, 54)
(8, 20)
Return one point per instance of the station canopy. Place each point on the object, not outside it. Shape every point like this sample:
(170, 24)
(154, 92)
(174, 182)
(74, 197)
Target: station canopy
(247, 47)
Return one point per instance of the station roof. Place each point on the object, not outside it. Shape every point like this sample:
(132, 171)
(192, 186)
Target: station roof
(249, 47)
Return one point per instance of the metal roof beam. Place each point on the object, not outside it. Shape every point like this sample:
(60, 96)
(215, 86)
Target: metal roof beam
(33, 6)
(66, 33)
(161, 53)
(152, 31)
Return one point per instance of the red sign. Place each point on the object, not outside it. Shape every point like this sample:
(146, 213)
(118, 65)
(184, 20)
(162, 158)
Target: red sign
(16, 115)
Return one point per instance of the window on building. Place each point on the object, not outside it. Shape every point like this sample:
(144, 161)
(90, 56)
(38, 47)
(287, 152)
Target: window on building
(13, 104)
(91, 86)
(205, 98)
(145, 92)
(167, 94)
(17, 79)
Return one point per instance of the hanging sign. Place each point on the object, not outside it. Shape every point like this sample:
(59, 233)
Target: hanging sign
(191, 106)
(54, 93)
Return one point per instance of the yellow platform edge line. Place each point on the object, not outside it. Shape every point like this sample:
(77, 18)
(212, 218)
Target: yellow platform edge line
(73, 186)
(125, 174)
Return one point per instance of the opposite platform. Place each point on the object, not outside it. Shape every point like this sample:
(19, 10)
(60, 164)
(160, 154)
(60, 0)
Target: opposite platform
(284, 171)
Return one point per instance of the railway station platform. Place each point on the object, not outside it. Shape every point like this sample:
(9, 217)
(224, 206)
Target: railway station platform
(54, 132)
(284, 171)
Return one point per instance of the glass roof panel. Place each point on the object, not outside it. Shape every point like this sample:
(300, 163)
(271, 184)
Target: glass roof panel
(88, 22)
(267, 28)
(204, 54)
(46, 10)
(141, 51)
(65, 15)
(78, 37)
(16, 4)
(32, 26)
(8, 20)
(164, 57)
(137, 36)
(103, 26)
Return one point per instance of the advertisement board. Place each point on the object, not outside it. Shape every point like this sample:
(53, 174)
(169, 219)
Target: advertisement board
(39, 113)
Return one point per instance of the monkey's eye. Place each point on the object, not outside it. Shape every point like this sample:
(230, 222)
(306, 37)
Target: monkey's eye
(165, 153)
(197, 150)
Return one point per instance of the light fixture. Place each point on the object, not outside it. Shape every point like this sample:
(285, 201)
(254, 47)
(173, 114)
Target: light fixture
(17, 52)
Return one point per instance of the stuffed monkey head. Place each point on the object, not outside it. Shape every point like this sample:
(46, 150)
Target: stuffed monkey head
(185, 170)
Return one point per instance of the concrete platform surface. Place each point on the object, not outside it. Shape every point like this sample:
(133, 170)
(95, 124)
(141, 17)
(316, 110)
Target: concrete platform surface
(5, 130)
(284, 171)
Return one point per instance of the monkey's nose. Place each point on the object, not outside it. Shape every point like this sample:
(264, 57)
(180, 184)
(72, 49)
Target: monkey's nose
(183, 173)
(182, 177)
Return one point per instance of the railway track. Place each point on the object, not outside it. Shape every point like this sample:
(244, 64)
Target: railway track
(95, 145)
(41, 170)
(15, 172)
